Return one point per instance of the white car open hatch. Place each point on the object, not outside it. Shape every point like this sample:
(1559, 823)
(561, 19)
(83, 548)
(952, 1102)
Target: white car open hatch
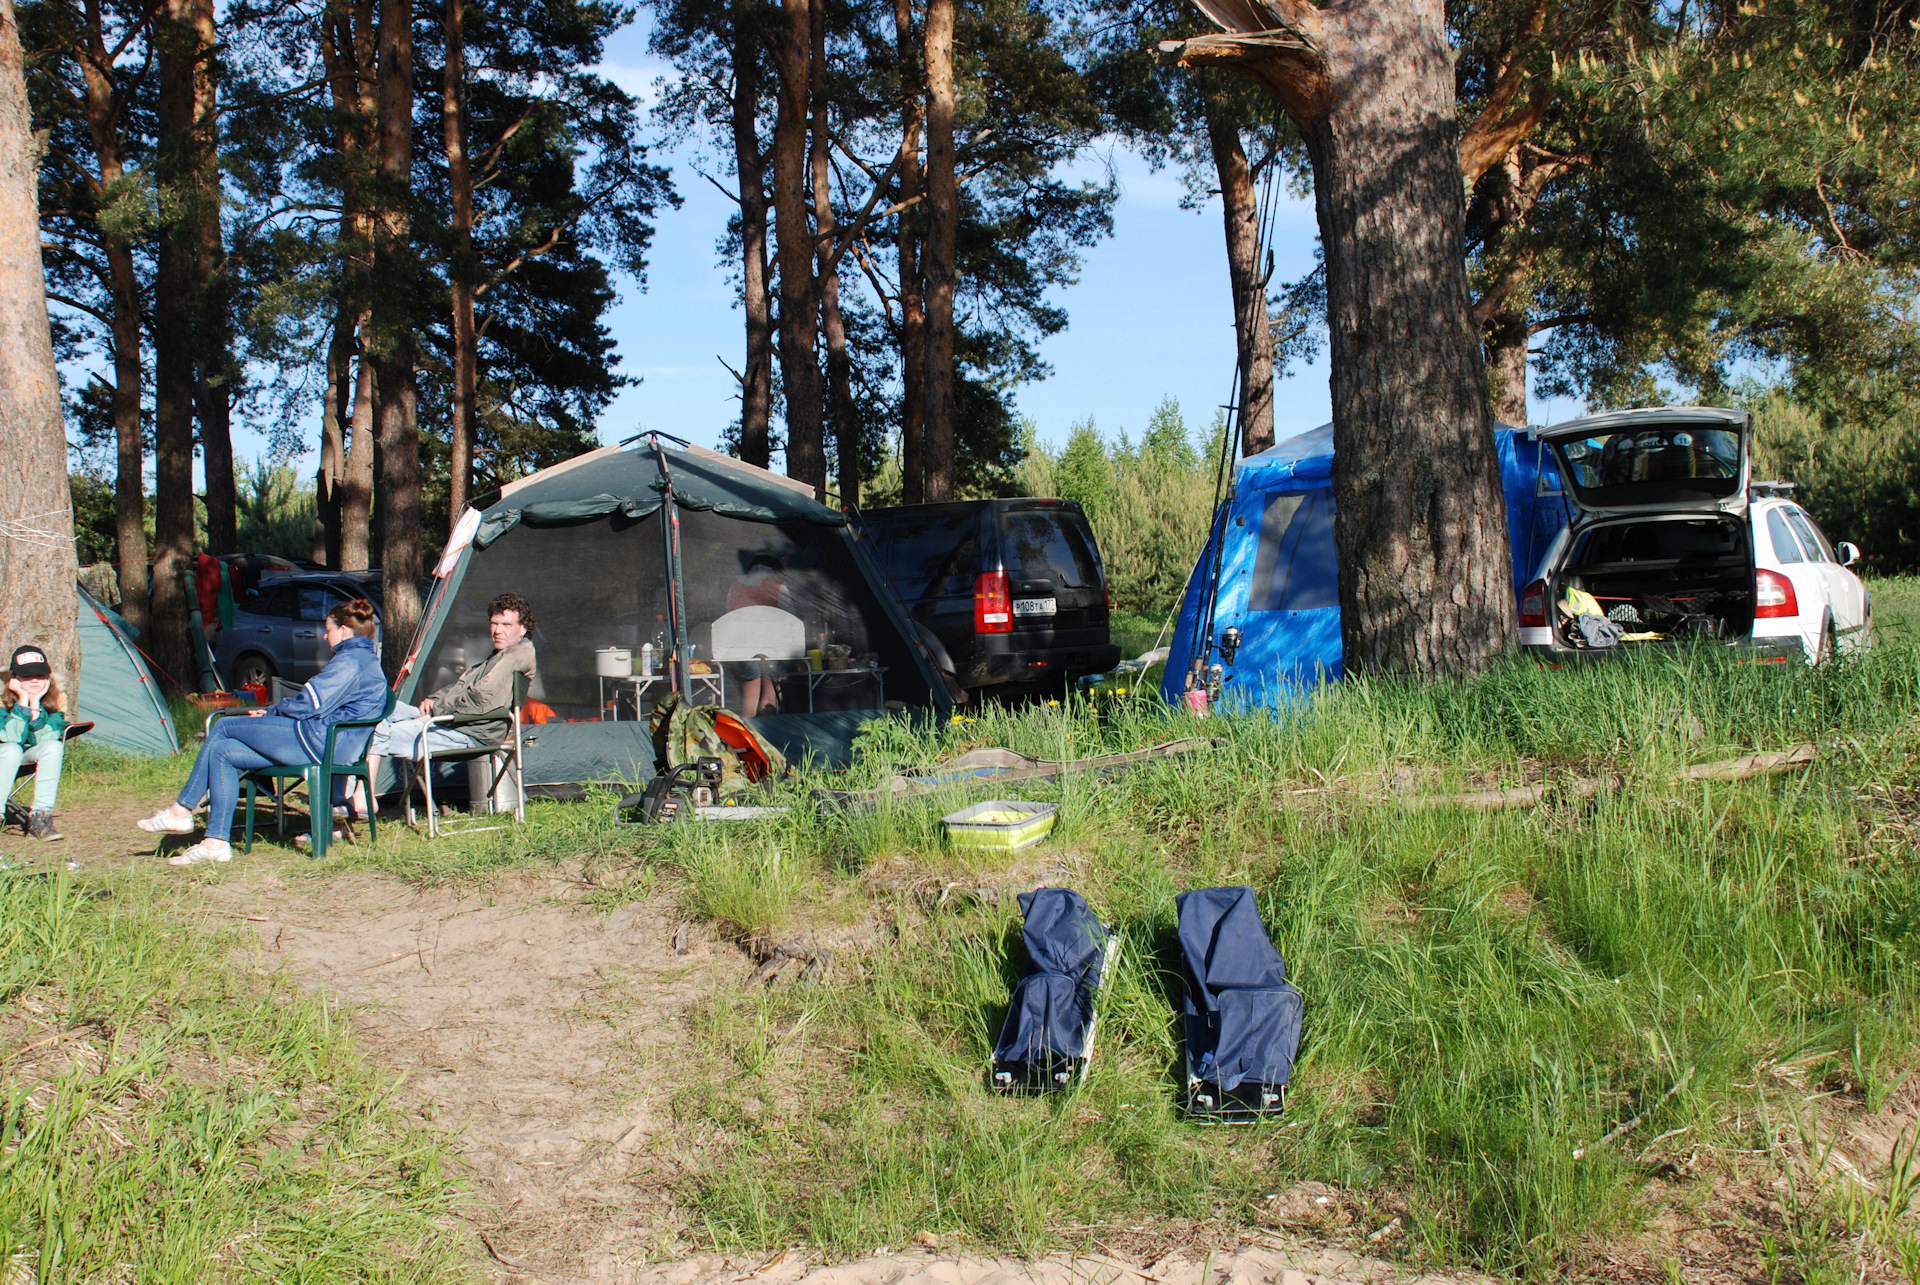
(1665, 459)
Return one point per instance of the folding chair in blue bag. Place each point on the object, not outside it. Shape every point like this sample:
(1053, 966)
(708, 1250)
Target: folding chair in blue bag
(1047, 1039)
(1242, 1018)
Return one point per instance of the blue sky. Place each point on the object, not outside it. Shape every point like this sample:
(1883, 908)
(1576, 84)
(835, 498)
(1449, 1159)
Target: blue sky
(1151, 316)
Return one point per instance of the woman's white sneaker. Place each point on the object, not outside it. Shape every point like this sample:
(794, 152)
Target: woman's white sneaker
(201, 852)
(162, 822)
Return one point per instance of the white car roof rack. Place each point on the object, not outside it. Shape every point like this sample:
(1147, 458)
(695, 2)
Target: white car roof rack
(1770, 490)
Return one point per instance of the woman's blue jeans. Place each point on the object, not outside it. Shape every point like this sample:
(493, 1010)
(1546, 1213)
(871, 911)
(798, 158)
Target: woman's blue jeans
(237, 745)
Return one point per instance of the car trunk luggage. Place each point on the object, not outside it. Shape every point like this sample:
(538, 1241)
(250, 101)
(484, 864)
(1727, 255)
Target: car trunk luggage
(1662, 579)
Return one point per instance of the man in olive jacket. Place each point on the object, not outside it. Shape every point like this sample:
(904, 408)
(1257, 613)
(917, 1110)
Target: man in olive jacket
(481, 689)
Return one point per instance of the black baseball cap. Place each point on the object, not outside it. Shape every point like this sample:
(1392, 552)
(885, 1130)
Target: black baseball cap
(30, 662)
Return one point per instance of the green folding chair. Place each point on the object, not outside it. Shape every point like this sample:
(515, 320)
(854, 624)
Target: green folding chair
(317, 779)
(502, 758)
(17, 812)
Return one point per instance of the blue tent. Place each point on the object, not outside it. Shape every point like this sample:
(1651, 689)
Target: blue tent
(1278, 574)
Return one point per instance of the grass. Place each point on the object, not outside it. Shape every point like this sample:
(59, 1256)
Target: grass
(167, 1117)
(1490, 996)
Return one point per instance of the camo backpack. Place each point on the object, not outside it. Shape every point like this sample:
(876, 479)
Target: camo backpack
(689, 733)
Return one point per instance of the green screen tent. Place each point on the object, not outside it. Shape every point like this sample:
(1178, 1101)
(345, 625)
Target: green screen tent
(651, 541)
(118, 691)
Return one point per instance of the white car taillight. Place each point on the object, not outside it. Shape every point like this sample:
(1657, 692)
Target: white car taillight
(1533, 606)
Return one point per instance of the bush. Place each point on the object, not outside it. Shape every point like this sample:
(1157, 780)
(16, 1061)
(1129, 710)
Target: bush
(1149, 506)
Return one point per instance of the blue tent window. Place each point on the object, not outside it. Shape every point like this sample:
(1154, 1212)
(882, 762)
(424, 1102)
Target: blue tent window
(1295, 568)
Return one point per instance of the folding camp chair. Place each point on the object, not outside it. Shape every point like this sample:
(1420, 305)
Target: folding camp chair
(317, 779)
(1047, 1039)
(1242, 1018)
(28, 771)
(501, 758)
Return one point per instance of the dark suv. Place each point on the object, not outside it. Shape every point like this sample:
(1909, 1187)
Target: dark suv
(1013, 589)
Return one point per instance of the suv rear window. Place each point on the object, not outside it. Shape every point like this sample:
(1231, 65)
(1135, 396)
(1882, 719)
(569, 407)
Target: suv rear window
(932, 555)
(1046, 544)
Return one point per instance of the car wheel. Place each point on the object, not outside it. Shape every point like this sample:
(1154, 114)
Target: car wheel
(1825, 653)
(250, 669)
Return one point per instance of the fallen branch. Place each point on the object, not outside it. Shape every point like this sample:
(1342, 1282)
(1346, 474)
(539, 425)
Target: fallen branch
(1627, 1126)
(817, 959)
(1582, 787)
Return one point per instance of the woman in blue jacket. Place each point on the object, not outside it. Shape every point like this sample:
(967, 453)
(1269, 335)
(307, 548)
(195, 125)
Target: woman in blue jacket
(292, 733)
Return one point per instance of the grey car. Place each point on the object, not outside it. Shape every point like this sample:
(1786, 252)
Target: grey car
(276, 631)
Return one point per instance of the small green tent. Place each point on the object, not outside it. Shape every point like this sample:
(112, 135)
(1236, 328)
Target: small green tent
(118, 692)
(651, 542)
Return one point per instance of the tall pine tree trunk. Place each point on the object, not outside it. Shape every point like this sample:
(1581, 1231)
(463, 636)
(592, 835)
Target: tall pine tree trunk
(173, 349)
(37, 563)
(1506, 336)
(350, 58)
(396, 406)
(103, 108)
(336, 405)
(356, 487)
(799, 295)
(461, 272)
(1251, 325)
(214, 370)
(750, 162)
(1420, 525)
(913, 310)
(846, 427)
(943, 223)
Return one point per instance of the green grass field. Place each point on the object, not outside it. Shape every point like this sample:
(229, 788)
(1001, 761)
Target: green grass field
(1488, 994)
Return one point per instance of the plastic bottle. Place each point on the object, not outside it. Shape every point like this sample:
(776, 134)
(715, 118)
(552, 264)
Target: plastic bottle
(646, 660)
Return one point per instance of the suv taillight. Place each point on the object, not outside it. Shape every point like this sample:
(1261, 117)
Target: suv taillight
(1773, 596)
(992, 605)
(1533, 606)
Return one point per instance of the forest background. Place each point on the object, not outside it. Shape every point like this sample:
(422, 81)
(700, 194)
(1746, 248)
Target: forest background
(412, 216)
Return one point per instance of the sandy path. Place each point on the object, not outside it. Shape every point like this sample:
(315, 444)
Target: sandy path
(526, 1026)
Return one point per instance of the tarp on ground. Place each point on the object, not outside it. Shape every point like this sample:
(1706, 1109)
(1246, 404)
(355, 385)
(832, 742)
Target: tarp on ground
(1243, 1018)
(1051, 1010)
(118, 691)
(649, 542)
(1279, 574)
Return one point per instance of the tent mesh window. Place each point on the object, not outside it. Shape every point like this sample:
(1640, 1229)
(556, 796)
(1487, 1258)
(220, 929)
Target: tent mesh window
(591, 585)
(1294, 568)
(725, 566)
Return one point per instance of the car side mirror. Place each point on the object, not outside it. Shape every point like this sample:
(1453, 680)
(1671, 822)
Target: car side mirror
(1849, 553)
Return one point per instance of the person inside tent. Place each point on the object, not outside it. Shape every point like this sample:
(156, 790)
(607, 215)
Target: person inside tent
(762, 584)
(33, 726)
(481, 689)
(291, 733)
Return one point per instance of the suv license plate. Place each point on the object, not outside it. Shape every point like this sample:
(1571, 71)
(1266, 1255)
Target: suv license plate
(1034, 607)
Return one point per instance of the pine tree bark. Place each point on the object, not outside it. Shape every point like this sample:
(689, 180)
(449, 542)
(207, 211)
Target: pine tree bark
(37, 563)
(1253, 333)
(1506, 337)
(173, 349)
(846, 427)
(461, 272)
(350, 59)
(214, 370)
(750, 162)
(335, 407)
(356, 488)
(395, 395)
(913, 311)
(943, 224)
(104, 108)
(1420, 516)
(793, 232)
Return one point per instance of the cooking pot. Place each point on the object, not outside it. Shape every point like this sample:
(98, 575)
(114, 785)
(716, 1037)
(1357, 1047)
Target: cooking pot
(613, 662)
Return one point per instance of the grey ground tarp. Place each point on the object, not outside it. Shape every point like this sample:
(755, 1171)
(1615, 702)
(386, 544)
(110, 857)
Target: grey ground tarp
(118, 692)
(1243, 1019)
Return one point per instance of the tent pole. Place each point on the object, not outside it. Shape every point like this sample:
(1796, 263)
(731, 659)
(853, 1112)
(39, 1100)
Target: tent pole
(676, 600)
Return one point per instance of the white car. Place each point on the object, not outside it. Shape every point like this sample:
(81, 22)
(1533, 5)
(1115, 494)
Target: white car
(1672, 539)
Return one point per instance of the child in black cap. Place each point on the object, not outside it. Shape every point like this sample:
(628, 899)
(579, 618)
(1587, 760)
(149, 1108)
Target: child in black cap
(33, 724)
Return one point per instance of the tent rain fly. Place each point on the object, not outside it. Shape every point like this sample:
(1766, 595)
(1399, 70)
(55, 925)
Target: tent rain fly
(651, 544)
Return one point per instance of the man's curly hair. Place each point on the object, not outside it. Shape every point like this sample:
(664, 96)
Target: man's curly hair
(515, 603)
